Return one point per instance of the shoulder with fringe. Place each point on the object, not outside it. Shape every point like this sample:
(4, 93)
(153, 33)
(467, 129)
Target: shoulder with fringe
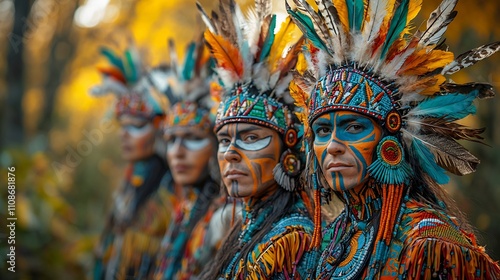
(435, 246)
(285, 250)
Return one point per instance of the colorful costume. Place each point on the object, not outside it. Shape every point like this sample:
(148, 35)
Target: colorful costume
(273, 238)
(141, 208)
(363, 60)
(198, 223)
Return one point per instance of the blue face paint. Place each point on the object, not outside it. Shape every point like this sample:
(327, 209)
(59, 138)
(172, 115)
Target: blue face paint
(344, 145)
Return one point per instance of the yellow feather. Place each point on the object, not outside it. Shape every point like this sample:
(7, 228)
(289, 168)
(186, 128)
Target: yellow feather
(298, 95)
(288, 35)
(343, 13)
(422, 62)
(413, 10)
(226, 55)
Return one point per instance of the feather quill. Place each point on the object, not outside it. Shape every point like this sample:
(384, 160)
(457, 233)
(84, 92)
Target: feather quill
(113, 58)
(471, 57)
(226, 55)
(441, 126)
(450, 106)
(423, 155)
(483, 90)
(289, 34)
(206, 19)
(343, 12)
(396, 26)
(306, 26)
(450, 155)
(438, 22)
(355, 11)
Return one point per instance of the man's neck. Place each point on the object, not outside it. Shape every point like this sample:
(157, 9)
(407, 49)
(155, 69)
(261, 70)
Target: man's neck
(364, 201)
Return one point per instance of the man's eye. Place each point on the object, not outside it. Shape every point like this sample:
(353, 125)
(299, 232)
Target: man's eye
(224, 142)
(323, 131)
(251, 138)
(355, 128)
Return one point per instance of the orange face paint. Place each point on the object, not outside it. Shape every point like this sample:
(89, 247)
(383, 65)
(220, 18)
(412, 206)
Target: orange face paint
(247, 156)
(344, 144)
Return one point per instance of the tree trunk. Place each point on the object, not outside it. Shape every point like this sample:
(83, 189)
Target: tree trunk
(12, 120)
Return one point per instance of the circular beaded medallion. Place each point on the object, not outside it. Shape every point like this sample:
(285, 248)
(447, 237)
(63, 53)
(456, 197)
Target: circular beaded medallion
(390, 151)
(393, 122)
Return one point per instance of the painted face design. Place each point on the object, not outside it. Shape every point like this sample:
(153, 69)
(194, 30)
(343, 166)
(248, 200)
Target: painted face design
(247, 156)
(137, 136)
(344, 144)
(188, 153)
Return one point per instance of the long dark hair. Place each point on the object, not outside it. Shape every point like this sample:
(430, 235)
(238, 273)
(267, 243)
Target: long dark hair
(280, 204)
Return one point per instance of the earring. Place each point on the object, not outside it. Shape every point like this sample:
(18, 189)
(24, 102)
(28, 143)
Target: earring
(287, 170)
(390, 166)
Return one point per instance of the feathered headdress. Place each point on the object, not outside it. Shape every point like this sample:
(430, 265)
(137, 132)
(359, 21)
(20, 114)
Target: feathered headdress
(189, 88)
(127, 78)
(362, 57)
(253, 67)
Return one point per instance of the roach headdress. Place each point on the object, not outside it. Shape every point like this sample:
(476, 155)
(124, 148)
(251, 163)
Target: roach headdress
(133, 85)
(188, 91)
(253, 68)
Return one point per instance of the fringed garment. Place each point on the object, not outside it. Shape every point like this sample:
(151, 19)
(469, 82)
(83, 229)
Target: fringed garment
(283, 253)
(140, 216)
(426, 244)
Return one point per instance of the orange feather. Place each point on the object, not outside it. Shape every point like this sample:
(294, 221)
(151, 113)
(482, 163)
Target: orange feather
(226, 55)
(113, 72)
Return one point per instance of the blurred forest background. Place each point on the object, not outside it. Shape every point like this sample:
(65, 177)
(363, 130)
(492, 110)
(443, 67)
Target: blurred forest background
(62, 142)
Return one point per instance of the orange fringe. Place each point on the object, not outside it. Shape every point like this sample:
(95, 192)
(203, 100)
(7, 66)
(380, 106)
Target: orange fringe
(316, 239)
(391, 199)
(280, 254)
(459, 262)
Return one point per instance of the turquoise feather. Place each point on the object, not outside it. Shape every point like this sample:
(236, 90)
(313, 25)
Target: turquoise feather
(427, 162)
(113, 58)
(189, 63)
(266, 48)
(398, 24)
(356, 13)
(131, 73)
(451, 106)
(306, 26)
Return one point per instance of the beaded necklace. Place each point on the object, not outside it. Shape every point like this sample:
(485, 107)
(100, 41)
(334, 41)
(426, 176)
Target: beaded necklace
(349, 240)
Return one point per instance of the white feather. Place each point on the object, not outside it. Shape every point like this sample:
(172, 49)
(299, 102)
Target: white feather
(437, 22)
(377, 12)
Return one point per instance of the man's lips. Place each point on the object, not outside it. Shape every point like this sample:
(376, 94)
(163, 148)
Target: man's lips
(337, 166)
(234, 174)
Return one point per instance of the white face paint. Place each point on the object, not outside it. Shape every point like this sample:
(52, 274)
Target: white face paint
(246, 145)
(175, 143)
(189, 150)
(137, 130)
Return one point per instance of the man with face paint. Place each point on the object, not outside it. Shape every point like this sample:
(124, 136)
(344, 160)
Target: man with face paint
(141, 209)
(381, 122)
(199, 222)
(259, 149)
